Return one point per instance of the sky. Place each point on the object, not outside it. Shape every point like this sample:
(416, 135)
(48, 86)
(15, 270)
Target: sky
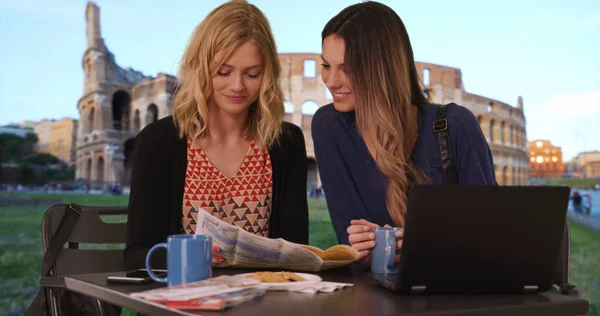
(547, 51)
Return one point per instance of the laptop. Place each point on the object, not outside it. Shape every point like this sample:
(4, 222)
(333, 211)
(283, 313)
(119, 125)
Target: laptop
(480, 239)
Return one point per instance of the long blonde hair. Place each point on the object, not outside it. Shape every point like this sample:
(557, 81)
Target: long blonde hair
(380, 64)
(221, 32)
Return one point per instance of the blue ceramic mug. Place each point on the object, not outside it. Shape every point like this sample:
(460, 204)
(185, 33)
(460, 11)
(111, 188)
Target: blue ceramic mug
(382, 256)
(189, 259)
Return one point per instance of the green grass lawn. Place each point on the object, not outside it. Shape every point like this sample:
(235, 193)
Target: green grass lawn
(574, 183)
(585, 262)
(21, 248)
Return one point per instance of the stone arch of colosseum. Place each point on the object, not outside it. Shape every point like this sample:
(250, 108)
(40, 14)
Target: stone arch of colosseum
(151, 113)
(87, 167)
(128, 153)
(100, 170)
(136, 121)
(90, 116)
(120, 104)
(93, 168)
(288, 111)
(309, 107)
(288, 107)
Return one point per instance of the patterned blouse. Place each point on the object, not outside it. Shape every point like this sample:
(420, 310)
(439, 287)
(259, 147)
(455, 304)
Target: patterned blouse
(243, 200)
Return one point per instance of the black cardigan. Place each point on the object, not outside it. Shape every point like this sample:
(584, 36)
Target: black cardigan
(157, 184)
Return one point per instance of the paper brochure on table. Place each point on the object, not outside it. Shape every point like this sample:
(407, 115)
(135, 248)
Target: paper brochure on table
(220, 301)
(211, 294)
(242, 249)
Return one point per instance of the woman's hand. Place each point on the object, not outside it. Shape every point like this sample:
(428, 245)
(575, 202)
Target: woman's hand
(398, 234)
(362, 238)
(216, 259)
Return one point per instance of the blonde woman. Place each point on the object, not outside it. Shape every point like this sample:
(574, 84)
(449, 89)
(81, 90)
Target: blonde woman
(226, 149)
(376, 139)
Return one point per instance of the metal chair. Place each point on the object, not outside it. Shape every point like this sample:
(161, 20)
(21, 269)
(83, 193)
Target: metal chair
(89, 229)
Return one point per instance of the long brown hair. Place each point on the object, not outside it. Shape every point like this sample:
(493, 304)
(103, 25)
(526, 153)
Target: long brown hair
(221, 32)
(380, 65)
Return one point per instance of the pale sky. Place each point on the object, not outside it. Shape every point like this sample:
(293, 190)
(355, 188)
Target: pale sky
(546, 51)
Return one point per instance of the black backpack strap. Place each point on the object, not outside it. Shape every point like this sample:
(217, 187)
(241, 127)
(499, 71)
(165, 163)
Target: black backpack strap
(442, 135)
(65, 227)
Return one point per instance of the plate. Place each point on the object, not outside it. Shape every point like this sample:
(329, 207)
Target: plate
(282, 286)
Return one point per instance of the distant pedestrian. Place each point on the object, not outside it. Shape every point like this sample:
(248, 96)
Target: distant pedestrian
(576, 198)
(587, 203)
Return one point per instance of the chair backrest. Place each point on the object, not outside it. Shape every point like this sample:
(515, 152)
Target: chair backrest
(90, 229)
(562, 268)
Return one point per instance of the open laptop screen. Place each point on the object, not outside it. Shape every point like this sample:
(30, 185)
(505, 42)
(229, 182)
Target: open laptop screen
(467, 239)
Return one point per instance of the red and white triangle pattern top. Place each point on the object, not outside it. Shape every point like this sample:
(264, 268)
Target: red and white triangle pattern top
(243, 200)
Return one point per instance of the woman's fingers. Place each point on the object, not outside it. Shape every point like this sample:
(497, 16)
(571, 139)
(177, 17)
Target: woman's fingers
(364, 257)
(360, 237)
(360, 230)
(399, 245)
(355, 229)
(217, 260)
(363, 221)
(399, 233)
(366, 245)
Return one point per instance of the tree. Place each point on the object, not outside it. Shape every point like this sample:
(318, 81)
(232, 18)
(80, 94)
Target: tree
(9, 147)
(33, 168)
(27, 173)
(41, 159)
(13, 147)
(31, 138)
(28, 144)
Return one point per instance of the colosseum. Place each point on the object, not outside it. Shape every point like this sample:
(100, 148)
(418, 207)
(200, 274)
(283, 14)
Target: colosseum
(118, 102)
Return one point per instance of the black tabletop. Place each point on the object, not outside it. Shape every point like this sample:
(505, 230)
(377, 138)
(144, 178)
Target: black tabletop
(364, 298)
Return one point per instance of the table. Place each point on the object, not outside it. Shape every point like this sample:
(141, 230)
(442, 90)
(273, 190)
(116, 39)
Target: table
(365, 298)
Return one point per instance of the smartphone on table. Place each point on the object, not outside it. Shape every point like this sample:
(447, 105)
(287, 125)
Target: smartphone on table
(140, 276)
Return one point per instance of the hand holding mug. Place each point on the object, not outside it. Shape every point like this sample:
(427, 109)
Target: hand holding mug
(362, 238)
(385, 255)
(399, 235)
